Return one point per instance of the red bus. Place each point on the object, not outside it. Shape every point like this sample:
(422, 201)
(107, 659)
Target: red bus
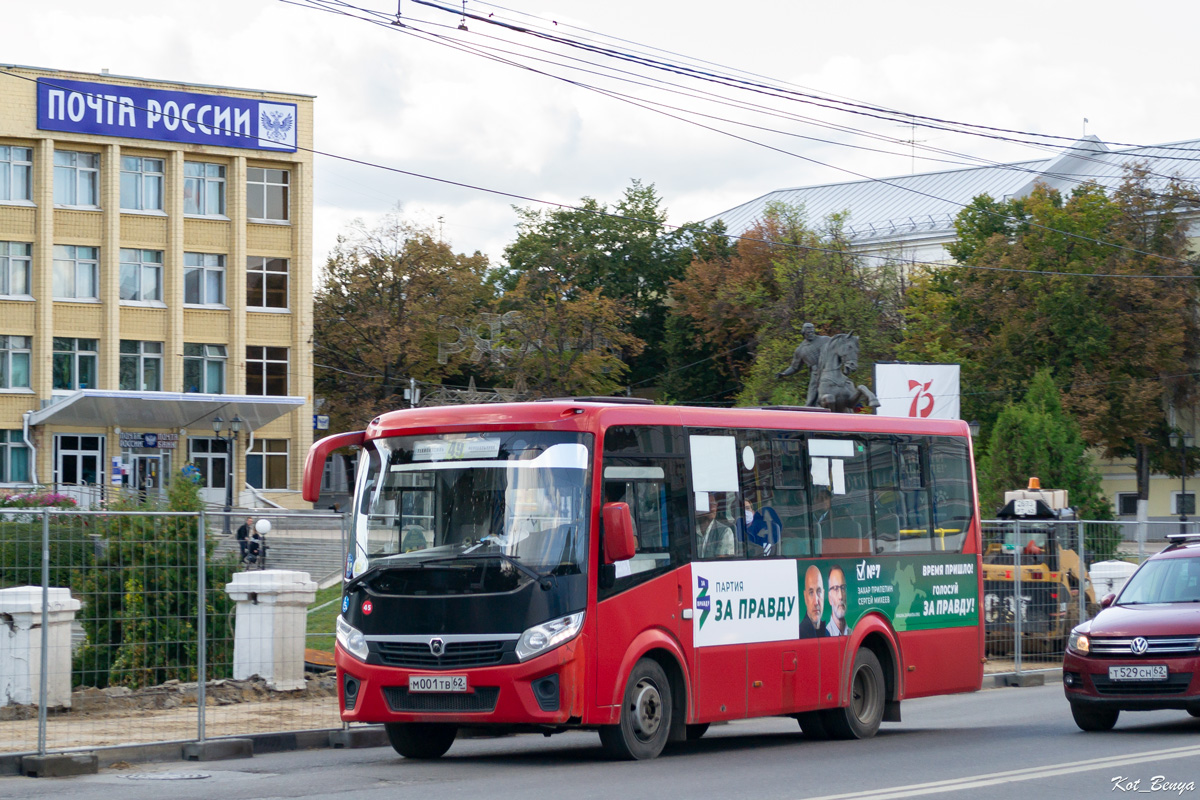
(645, 570)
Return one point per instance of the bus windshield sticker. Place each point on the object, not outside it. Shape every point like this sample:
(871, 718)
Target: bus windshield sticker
(634, 473)
(820, 472)
(835, 448)
(714, 464)
(839, 475)
(455, 449)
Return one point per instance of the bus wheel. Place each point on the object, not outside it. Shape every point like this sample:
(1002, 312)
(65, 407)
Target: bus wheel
(860, 720)
(645, 715)
(420, 739)
(694, 732)
(812, 723)
(1094, 719)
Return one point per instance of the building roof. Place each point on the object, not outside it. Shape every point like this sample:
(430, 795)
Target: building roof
(922, 206)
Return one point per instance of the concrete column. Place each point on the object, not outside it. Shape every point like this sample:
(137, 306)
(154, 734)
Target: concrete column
(270, 626)
(21, 646)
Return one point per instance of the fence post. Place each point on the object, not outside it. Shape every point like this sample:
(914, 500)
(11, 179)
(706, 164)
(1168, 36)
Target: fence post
(1084, 575)
(1018, 604)
(201, 626)
(43, 678)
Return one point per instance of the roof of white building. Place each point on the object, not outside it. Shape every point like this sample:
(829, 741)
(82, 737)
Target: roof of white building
(924, 205)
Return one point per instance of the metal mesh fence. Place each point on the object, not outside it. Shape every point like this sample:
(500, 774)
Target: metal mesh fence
(132, 627)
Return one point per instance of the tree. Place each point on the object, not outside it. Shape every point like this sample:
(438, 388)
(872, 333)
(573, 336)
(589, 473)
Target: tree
(1033, 291)
(817, 278)
(1037, 438)
(376, 316)
(559, 340)
(626, 252)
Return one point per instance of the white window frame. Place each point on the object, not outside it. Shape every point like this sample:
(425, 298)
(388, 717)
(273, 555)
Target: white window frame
(15, 349)
(258, 451)
(258, 266)
(210, 180)
(259, 184)
(16, 258)
(10, 442)
(71, 262)
(144, 267)
(146, 176)
(205, 356)
(210, 266)
(79, 170)
(143, 356)
(78, 352)
(258, 354)
(14, 159)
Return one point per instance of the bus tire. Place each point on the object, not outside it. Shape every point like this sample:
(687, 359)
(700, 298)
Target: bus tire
(860, 719)
(812, 724)
(645, 722)
(1094, 720)
(423, 740)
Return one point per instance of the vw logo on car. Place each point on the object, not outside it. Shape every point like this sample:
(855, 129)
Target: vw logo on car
(1139, 646)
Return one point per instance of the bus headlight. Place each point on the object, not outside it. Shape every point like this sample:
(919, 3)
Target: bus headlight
(351, 639)
(1079, 643)
(548, 636)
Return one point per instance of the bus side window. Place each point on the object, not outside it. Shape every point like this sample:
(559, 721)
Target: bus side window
(791, 494)
(655, 490)
(885, 495)
(916, 529)
(952, 511)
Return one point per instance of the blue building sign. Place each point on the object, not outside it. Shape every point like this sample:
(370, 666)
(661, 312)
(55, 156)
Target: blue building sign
(108, 109)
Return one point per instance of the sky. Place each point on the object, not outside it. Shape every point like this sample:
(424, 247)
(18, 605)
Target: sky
(420, 97)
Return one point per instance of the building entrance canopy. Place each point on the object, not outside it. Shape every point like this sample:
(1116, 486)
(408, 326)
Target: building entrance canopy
(96, 408)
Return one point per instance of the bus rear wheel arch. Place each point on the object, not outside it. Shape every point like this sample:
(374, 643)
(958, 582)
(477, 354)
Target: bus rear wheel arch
(647, 713)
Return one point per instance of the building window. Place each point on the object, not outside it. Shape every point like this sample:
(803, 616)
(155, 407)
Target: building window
(267, 194)
(14, 362)
(16, 173)
(76, 272)
(266, 282)
(74, 363)
(203, 189)
(141, 183)
(203, 279)
(267, 464)
(76, 178)
(16, 263)
(1127, 504)
(1183, 503)
(141, 366)
(267, 370)
(204, 368)
(14, 458)
(141, 275)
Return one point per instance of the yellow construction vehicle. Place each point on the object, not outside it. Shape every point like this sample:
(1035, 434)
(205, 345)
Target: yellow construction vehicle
(1040, 534)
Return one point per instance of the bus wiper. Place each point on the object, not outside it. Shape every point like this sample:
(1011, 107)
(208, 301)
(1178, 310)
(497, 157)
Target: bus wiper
(546, 581)
(376, 569)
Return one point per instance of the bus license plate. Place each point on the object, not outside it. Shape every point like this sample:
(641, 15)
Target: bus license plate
(441, 683)
(1148, 672)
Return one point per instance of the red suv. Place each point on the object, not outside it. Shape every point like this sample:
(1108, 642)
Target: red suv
(1142, 651)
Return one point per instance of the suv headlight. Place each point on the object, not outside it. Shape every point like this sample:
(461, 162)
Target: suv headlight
(1079, 642)
(351, 639)
(548, 635)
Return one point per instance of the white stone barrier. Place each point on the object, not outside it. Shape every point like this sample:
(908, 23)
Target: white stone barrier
(21, 646)
(271, 625)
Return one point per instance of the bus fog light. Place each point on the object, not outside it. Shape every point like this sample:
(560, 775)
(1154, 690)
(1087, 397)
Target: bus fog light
(548, 635)
(351, 639)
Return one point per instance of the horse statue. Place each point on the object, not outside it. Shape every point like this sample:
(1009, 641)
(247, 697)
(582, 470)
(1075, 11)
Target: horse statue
(835, 390)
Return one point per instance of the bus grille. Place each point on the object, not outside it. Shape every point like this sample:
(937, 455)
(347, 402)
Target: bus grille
(482, 699)
(458, 655)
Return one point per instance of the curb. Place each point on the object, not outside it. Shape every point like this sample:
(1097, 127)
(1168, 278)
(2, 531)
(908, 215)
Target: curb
(245, 746)
(1001, 680)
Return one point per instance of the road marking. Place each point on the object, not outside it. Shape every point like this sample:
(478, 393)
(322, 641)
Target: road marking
(1015, 775)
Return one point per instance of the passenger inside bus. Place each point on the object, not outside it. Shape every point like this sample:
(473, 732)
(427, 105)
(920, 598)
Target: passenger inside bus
(714, 537)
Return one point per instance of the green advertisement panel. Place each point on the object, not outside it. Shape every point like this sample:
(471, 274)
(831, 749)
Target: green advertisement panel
(914, 592)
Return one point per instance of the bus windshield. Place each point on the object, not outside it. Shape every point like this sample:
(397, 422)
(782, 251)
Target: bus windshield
(517, 496)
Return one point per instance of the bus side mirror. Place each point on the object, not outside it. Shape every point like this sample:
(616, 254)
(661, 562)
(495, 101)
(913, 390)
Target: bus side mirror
(1107, 600)
(619, 542)
(314, 465)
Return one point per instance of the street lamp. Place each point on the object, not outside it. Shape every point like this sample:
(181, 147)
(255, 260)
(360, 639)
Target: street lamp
(1183, 441)
(230, 439)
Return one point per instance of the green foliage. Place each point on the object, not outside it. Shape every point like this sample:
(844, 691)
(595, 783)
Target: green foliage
(1037, 438)
(140, 595)
(21, 549)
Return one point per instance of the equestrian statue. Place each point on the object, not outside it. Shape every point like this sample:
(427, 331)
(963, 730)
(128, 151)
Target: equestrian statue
(830, 360)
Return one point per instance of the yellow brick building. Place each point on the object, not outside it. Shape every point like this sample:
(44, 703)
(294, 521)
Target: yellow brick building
(155, 277)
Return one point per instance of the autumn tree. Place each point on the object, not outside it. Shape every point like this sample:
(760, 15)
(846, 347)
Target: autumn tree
(625, 252)
(1097, 289)
(376, 313)
(559, 340)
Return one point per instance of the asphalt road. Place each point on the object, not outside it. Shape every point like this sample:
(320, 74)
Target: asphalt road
(999, 743)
